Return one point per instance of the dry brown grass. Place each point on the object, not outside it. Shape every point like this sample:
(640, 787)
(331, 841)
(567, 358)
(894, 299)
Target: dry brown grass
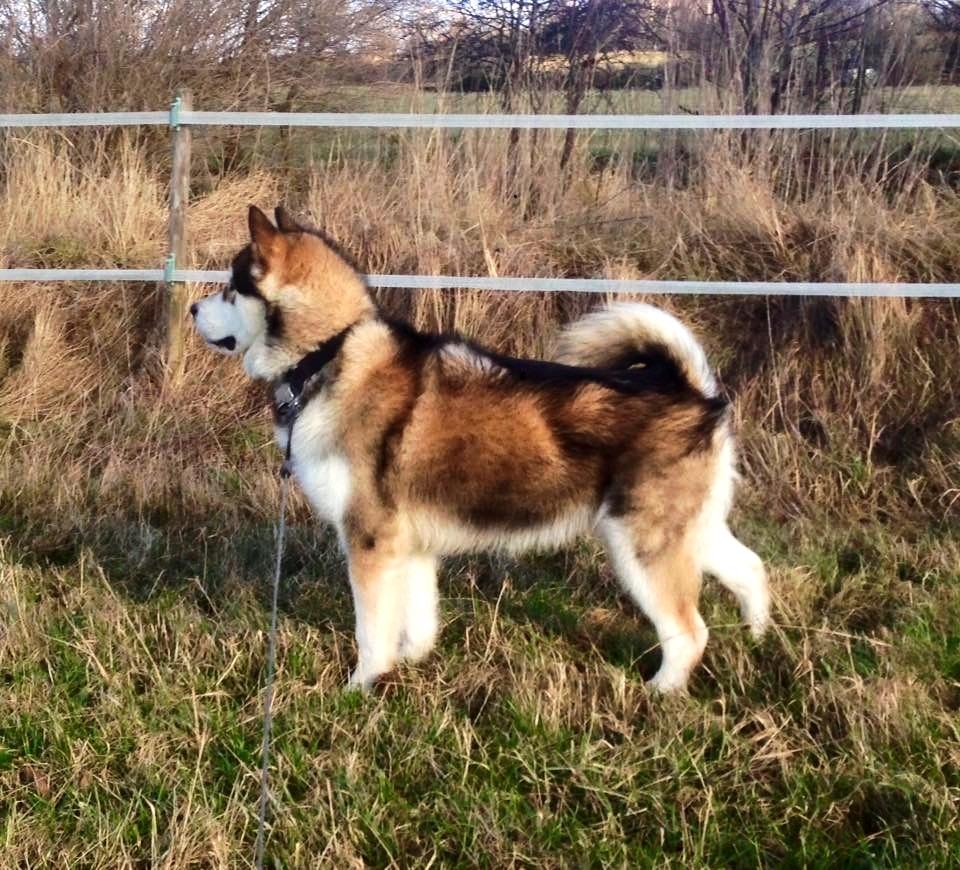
(862, 382)
(136, 518)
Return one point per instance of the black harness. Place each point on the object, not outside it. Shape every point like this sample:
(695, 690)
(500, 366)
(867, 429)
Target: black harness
(290, 391)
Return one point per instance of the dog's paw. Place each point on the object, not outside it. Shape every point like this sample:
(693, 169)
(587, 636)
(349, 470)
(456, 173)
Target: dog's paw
(417, 649)
(668, 682)
(757, 616)
(360, 681)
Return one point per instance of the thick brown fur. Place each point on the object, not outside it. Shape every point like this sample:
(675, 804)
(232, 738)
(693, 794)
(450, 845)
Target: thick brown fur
(416, 446)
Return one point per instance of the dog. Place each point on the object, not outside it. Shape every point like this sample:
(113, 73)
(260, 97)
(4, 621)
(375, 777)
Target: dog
(416, 446)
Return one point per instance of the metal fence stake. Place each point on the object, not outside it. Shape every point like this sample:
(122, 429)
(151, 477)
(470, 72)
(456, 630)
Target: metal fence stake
(176, 292)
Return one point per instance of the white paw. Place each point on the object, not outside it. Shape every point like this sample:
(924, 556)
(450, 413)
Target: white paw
(416, 649)
(759, 625)
(756, 614)
(361, 681)
(667, 682)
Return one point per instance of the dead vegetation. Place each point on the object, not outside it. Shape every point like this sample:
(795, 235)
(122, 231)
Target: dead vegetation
(136, 517)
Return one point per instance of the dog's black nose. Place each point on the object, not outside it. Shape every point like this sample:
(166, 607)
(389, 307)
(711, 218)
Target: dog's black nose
(193, 309)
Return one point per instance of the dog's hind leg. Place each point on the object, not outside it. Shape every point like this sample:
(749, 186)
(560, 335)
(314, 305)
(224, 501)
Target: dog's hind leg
(719, 553)
(666, 587)
(740, 570)
(378, 582)
(420, 608)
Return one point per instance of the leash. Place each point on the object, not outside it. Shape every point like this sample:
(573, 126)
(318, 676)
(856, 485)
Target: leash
(288, 401)
(272, 658)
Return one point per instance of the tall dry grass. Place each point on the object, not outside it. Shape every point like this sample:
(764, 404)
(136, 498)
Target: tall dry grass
(847, 408)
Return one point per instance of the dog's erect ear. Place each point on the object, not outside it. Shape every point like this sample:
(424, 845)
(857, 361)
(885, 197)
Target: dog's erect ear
(262, 232)
(285, 220)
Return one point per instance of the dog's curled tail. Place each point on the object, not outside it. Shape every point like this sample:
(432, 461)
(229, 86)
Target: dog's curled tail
(610, 337)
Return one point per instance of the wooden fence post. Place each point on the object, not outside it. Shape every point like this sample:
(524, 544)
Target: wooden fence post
(176, 303)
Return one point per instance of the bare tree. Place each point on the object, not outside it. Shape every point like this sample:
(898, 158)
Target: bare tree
(945, 18)
(525, 49)
(109, 54)
(585, 32)
(766, 48)
(946, 13)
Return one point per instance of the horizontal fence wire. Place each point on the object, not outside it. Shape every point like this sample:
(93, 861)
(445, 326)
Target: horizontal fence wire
(487, 121)
(81, 275)
(87, 119)
(563, 122)
(536, 285)
(929, 121)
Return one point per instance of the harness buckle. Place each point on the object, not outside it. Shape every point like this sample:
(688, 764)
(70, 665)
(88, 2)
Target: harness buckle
(283, 394)
(287, 403)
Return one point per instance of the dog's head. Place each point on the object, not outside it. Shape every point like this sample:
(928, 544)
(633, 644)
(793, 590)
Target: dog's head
(288, 287)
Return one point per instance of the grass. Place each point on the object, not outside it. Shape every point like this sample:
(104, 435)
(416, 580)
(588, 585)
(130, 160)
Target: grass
(136, 532)
(389, 97)
(133, 732)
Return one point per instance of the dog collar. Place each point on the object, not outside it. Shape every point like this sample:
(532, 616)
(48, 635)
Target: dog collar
(288, 391)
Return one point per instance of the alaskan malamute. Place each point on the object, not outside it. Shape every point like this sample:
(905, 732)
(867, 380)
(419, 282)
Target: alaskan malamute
(416, 446)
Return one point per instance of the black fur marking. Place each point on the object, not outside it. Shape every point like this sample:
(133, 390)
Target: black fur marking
(617, 500)
(715, 411)
(651, 371)
(387, 450)
(240, 278)
(242, 282)
(497, 511)
(274, 323)
(393, 433)
(229, 343)
(416, 344)
(659, 374)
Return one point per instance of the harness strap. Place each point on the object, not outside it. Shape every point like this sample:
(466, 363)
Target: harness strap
(288, 390)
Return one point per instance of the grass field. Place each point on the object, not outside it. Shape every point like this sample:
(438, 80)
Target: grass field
(290, 150)
(136, 537)
(389, 97)
(134, 724)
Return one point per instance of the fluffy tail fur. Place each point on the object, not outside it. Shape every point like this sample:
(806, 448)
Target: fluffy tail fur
(607, 337)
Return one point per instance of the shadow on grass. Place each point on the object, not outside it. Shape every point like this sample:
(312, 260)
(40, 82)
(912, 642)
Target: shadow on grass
(863, 588)
(562, 596)
(193, 557)
(568, 596)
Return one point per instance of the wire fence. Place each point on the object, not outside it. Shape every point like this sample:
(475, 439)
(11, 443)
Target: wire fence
(538, 285)
(178, 116)
(181, 118)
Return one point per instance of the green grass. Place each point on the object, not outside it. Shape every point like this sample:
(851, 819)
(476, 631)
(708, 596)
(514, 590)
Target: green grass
(404, 98)
(131, 730)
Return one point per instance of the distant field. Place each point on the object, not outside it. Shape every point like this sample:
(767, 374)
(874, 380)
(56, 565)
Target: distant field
(290, 150)
(403, 98)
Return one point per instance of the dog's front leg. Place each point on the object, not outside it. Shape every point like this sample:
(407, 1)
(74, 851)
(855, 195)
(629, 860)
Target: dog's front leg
(377, 581)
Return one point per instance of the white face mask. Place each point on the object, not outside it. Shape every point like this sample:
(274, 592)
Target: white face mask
(230, 322)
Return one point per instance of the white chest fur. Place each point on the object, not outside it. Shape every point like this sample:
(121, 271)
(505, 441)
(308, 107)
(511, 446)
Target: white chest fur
(316, 463)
